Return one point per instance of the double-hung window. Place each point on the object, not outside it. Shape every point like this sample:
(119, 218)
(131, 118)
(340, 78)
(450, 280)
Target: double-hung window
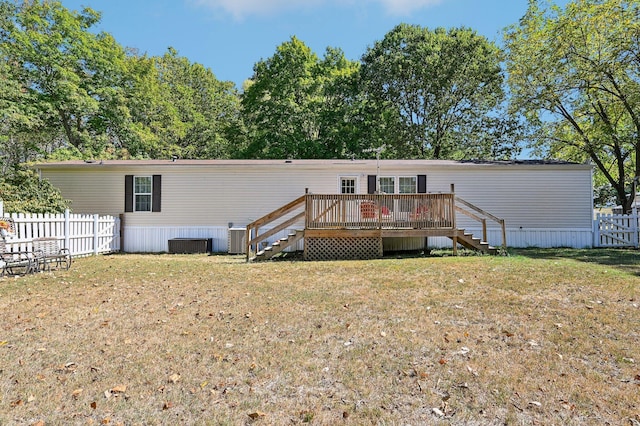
(142, 193)
(387, 185)
(407, 185)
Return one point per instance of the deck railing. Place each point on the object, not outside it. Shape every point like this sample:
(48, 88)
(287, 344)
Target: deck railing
(477, 214)
(379, 211)
(435, 211)
(288, 212)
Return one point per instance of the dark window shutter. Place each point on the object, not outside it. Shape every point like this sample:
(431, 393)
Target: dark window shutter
(128, 193)
(371, 184)
(422, 184)
(156, 195)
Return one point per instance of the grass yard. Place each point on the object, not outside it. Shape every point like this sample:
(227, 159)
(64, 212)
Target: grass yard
(539, 337)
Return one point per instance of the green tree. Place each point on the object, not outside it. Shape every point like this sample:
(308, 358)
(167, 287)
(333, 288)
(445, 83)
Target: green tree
(25, 192)
(71, 76)
(437, 94)
(200, 112)
(575, 74)
(300, 106)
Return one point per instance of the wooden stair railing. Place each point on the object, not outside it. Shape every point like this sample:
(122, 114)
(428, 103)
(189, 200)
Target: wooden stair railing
(254, 238)
(481, 216)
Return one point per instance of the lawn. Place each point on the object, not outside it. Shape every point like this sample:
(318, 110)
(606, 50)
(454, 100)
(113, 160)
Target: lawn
(538, 337)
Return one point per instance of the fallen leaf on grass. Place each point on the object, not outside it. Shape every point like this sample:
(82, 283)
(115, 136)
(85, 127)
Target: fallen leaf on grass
(115, 391)
(119, 389)
(438, 412)
(472, 371)
(93, 405)
(174, 378)
(167, 405)
(256, 415)
(76, 393)
(463, 350)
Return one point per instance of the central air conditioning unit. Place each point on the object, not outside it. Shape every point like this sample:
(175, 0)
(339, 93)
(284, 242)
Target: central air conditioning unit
(237, 240)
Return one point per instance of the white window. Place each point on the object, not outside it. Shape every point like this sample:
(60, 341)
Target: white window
(142, 190)
(407, 185)
(348, 185)
(387, 184)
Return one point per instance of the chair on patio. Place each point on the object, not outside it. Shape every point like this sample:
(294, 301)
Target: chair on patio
(14, 262)
(369, 210)
(420, 213)
(48, 253)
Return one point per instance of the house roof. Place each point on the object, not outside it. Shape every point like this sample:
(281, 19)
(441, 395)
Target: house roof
(304, 163)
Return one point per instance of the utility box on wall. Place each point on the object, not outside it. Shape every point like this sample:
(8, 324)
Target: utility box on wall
(237, 240)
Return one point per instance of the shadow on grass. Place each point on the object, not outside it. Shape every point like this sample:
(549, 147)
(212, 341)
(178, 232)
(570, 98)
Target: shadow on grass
(626, 260)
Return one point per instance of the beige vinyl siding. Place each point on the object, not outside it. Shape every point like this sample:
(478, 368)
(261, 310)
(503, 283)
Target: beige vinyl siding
(96, 192)
(525, 196)
(216, 193)
(536, 196)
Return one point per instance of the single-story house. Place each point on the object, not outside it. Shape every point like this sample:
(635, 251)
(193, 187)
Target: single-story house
(542, 204)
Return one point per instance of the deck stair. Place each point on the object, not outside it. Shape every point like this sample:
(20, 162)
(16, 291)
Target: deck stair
(339, 225)
(279, 245)
(466, 239)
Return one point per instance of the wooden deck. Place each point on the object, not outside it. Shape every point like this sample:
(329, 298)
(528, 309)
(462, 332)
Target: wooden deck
(346, 220)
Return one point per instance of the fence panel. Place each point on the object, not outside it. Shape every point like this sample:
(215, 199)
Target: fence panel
(82, 234)
(616, 230)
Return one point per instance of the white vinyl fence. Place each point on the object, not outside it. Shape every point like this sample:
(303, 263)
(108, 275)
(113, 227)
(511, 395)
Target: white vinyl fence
(616, 230)
(82, 234)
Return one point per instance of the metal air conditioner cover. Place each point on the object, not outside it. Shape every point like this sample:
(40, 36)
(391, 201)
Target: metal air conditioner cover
(237, 240)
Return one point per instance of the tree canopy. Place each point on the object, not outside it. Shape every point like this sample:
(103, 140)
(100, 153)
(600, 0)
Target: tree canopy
(71, 76)
(574, 73)
(69, 91)
(298, 105)
(438, 94)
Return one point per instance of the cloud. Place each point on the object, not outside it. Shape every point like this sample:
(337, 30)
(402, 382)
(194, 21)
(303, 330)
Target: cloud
(240, 9)
(405, 7)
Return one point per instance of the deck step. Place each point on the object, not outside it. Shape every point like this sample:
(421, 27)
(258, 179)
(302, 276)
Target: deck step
(466, 239)
(279, 245)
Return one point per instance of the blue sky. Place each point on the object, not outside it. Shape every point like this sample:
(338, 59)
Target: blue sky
(230, 36)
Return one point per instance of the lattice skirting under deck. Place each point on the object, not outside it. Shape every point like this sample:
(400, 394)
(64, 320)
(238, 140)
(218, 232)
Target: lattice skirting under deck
(342, 248)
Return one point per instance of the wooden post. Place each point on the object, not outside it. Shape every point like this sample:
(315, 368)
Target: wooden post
(484, 230)
(247, 243)
(455, 242)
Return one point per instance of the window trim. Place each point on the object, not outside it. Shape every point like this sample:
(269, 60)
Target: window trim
(139, 194)
(415, 186)
(356, 180)
(129, 195)
(420, 188)
(394, 181)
